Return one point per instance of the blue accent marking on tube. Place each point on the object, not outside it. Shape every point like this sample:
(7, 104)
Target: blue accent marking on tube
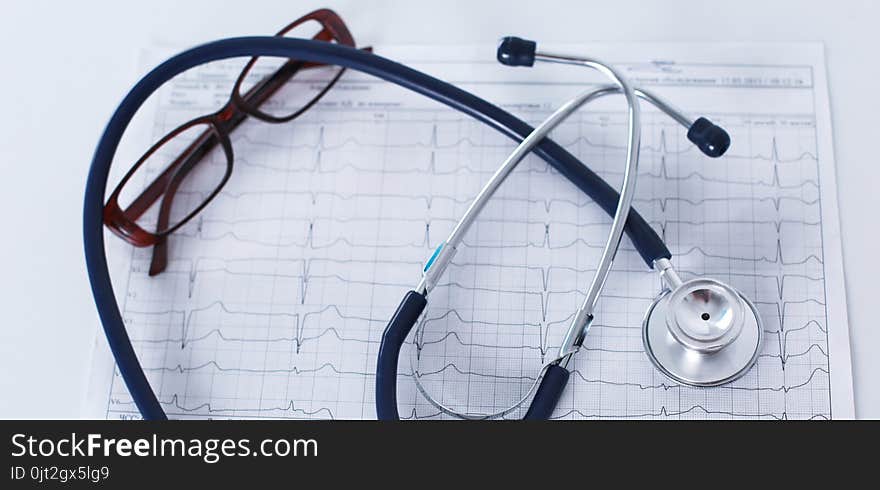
(433, 256)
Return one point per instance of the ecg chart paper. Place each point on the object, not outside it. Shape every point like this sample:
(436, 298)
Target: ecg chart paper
(276, 296)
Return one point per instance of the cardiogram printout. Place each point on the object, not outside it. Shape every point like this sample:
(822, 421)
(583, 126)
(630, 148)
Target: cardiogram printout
(276, 296)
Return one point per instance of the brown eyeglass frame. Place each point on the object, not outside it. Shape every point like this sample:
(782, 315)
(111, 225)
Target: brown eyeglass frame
(219, 125)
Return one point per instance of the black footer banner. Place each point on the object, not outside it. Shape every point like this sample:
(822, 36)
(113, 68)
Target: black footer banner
(240, 454)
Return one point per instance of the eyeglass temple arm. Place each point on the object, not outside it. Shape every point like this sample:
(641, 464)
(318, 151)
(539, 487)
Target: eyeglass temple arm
(159, 260)
(183, 165)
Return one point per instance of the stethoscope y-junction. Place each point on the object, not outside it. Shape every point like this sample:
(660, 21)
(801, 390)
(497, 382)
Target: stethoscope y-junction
(699, 332)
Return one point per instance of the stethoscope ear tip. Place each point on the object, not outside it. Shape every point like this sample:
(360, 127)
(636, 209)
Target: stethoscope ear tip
(711, 139)
(515, 51)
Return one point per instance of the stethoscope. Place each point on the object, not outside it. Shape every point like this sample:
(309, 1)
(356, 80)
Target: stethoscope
(711, 342)
(700, 332)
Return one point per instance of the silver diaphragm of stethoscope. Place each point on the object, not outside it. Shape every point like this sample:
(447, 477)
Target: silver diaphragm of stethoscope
(701, 332)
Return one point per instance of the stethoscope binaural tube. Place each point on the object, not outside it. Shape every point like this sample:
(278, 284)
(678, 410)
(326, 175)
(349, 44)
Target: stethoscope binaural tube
(551, 381)
(646, 241)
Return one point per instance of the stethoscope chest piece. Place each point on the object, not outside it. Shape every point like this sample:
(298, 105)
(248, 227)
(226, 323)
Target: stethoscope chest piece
(702, 333)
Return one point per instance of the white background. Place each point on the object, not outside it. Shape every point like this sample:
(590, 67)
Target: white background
(65, 66)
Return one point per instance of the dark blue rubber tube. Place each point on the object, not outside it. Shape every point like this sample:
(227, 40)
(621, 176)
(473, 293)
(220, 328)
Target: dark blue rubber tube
(401, 323)
(646, 241)
(551, 388)
(389, 352)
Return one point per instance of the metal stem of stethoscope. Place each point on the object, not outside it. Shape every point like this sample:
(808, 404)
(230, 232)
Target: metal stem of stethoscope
(446, 250)
(444, 253)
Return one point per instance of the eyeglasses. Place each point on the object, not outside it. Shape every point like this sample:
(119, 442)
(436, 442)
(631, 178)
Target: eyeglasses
(189, 166)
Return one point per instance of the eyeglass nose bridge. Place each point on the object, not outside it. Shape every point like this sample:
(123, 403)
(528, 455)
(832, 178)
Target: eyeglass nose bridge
(225, 114)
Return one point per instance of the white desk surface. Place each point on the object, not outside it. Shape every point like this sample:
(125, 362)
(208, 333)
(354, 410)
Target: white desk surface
(67, 64)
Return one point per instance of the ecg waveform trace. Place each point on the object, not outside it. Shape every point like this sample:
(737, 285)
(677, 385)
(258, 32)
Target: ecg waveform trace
(276, 295)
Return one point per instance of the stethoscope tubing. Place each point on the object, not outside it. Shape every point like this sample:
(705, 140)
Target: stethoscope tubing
(644, 238)
(553, 377)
